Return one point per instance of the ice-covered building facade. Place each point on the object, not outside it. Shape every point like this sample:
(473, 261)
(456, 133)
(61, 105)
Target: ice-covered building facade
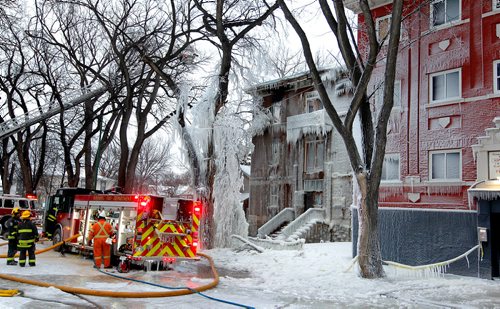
(300, 184)
(439, 196)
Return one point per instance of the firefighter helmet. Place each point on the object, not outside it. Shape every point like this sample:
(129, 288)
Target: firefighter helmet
(26, 214)
(15, 211)
(102, 214)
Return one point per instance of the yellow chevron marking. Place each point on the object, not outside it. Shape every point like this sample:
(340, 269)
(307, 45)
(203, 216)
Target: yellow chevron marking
(150, 253)
(163, 228)
(169, 252)
(146, 233)
(196, 220)
(178, 250)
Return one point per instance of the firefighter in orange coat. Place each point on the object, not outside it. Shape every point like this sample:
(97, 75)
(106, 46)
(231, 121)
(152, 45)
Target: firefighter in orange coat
(100, 231)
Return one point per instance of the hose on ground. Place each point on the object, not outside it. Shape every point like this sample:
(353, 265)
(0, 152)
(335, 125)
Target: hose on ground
(48, 248)
(117, 294)
(178, 288)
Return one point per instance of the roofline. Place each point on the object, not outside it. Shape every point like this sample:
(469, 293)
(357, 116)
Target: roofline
(287, 81)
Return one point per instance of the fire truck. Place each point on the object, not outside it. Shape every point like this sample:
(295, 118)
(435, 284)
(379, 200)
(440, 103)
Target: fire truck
(9, 201)
(150, 231)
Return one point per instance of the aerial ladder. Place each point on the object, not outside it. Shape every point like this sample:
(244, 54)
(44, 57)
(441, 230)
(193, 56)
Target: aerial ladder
(43, 112)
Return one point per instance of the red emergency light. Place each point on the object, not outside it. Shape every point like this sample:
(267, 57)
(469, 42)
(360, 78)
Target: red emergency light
(197, 207)
(31, 196)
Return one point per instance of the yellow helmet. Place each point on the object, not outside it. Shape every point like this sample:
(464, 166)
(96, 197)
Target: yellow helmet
(15, 211)
(26, 214)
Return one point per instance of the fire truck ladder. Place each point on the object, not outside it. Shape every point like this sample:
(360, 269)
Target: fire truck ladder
(43, 112)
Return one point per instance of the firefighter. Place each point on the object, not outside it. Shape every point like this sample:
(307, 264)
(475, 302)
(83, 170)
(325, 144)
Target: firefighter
(11, 226)
(27, 235)
(100, 231)
(51, 221)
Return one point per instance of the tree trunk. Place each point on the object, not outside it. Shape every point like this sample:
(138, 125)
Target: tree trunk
(369, 253)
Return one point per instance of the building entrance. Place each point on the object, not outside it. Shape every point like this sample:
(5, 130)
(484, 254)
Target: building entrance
(495, 244)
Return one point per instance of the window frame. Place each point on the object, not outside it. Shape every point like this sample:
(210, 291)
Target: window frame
(494, 4)
(448, 151)
(380, 95)
(312, 95)
(274, 195)
(317, 166)
(276, 112)
(384, 166)
(378, 21)
(275, 151)
(446, 23)
(496, 76)
(431, 86)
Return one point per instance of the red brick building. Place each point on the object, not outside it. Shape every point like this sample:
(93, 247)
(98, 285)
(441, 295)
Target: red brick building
(447, 96)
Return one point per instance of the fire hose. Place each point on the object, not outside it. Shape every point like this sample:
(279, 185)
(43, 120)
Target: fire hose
(116, 294)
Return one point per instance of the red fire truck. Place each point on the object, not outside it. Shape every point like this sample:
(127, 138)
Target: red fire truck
(151, 231)
(9, 201)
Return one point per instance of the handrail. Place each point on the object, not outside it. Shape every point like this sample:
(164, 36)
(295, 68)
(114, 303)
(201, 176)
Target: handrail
(287, 214)
(312, 214)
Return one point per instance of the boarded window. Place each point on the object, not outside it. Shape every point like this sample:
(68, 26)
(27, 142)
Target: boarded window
(444, 12)
(445, 165)
(445, 86)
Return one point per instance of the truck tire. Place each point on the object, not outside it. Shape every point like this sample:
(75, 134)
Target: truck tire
(3, 230)
(57, 237)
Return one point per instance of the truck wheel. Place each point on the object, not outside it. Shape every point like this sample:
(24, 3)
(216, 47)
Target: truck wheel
(3, 232)
(57, 237)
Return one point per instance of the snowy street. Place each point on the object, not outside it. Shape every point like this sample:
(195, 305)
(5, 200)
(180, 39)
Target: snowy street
(312, 278)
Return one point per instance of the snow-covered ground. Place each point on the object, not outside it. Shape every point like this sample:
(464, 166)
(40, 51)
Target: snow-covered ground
(315, 277)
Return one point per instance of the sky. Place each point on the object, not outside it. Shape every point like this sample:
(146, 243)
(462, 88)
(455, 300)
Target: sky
(314, 277)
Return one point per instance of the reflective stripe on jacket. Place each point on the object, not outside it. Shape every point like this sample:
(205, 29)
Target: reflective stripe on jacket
(27, 234)
(100, 229)
(11, 226)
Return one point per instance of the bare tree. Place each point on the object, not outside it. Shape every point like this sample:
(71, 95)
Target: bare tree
(228, 24)
(71, 60)
(367, 163)
(151, 50)
(15, 83)
(154, 160)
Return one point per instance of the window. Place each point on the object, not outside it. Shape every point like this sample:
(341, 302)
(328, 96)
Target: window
(496, 76)
(276, 112)
(273, 198)
(444, 12)
(445, 86)
(314, 156)
(390, 169)
(8, 203)
(383, 24)
(445, 165)
(313, 102)
(496, 5)
(276, 145)
(397, 94)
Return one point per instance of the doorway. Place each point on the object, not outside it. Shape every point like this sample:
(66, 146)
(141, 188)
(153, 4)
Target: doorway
(495, 244)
